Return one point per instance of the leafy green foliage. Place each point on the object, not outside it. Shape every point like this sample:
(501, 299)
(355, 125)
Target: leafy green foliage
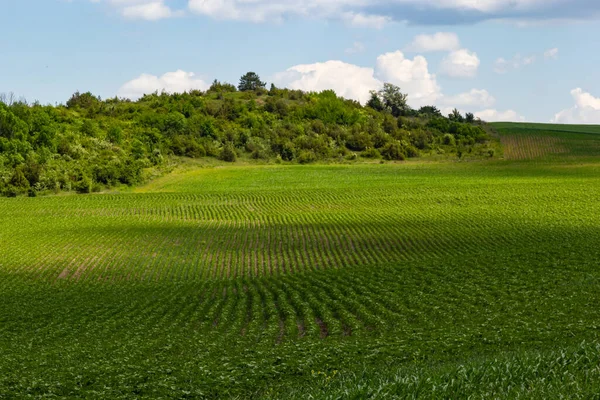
(94, 143)
(250, 81)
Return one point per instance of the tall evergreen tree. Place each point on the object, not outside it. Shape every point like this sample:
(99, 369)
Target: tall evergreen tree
(250, 81)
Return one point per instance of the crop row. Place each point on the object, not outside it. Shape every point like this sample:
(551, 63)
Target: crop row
(183, 237)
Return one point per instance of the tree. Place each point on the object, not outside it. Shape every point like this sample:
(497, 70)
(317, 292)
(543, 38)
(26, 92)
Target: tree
(430, 111)
(469, 118)
(220, 87)
(250, 81)
(456, 116)
(375, 102)
(394, 100)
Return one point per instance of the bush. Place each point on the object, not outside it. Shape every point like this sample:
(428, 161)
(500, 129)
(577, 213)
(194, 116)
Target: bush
(448, 140)
(306, 157)
(228, 153)
(83, 186)
(393, 151)
(371, 153)
(259, 154)
(411, 151)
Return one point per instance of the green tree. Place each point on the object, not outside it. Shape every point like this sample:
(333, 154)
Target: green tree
(456, 116)
(375, 102)
(394, 100)
(430, 111)
(250, 81)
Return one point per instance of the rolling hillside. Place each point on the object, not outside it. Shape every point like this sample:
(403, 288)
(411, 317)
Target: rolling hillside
(528, 141)
(417, 279)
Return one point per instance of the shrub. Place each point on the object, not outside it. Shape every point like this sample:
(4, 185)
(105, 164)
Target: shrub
(393, 151)
(83, 186)
(306, 157)
(411, 151)
(259, 154)
(228, 153)
(448, 140)
(371, 153)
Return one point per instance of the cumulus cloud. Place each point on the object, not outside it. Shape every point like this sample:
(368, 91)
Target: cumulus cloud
(460, 64)
(441, 41)
(412, 76)
(348, 80)
(171, 82)
(477, 98)
(354, 82)
(585, 111)
(492, 115)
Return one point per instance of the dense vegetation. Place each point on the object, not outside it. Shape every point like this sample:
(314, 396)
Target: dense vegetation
(432, 280)
(90, 144)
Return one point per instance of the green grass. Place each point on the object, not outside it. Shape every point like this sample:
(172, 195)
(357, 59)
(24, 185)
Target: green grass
(434, 280)
(546, 142)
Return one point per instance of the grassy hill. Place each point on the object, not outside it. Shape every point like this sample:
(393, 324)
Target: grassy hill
(528, 141)
(420, 279)
(90, 144)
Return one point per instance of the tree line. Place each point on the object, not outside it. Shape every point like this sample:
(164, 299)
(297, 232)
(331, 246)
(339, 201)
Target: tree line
(89, 144)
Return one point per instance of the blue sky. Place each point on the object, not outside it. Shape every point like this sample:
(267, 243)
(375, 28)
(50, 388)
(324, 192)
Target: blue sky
(528, 60)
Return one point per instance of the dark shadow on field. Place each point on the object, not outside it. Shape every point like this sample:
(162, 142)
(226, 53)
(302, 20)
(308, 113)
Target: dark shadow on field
(177, 252)
(523, 295)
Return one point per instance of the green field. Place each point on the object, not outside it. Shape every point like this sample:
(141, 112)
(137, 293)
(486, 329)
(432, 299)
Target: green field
(544, 142)
(417, 279)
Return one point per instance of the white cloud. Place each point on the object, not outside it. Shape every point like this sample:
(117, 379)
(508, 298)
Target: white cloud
(354, 82)
(551, 54)
(585, 111)
(441, 41)
(365, 20)
(357, 47)
(503, 66)
(269, 11)
(412, 76)
(149, 11)
(377, 13)
(492, 115)
(460, 64)
(171, 82)
(477, 98)
(348, 80)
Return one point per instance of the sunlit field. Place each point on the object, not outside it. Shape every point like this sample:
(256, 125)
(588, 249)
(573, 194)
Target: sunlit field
(430, 279)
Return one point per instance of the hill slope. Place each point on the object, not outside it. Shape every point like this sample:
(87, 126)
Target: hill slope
(284, 281)
(546, 142)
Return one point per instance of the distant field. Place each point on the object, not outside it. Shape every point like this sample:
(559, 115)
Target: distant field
(527, 141)
(422, 279)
